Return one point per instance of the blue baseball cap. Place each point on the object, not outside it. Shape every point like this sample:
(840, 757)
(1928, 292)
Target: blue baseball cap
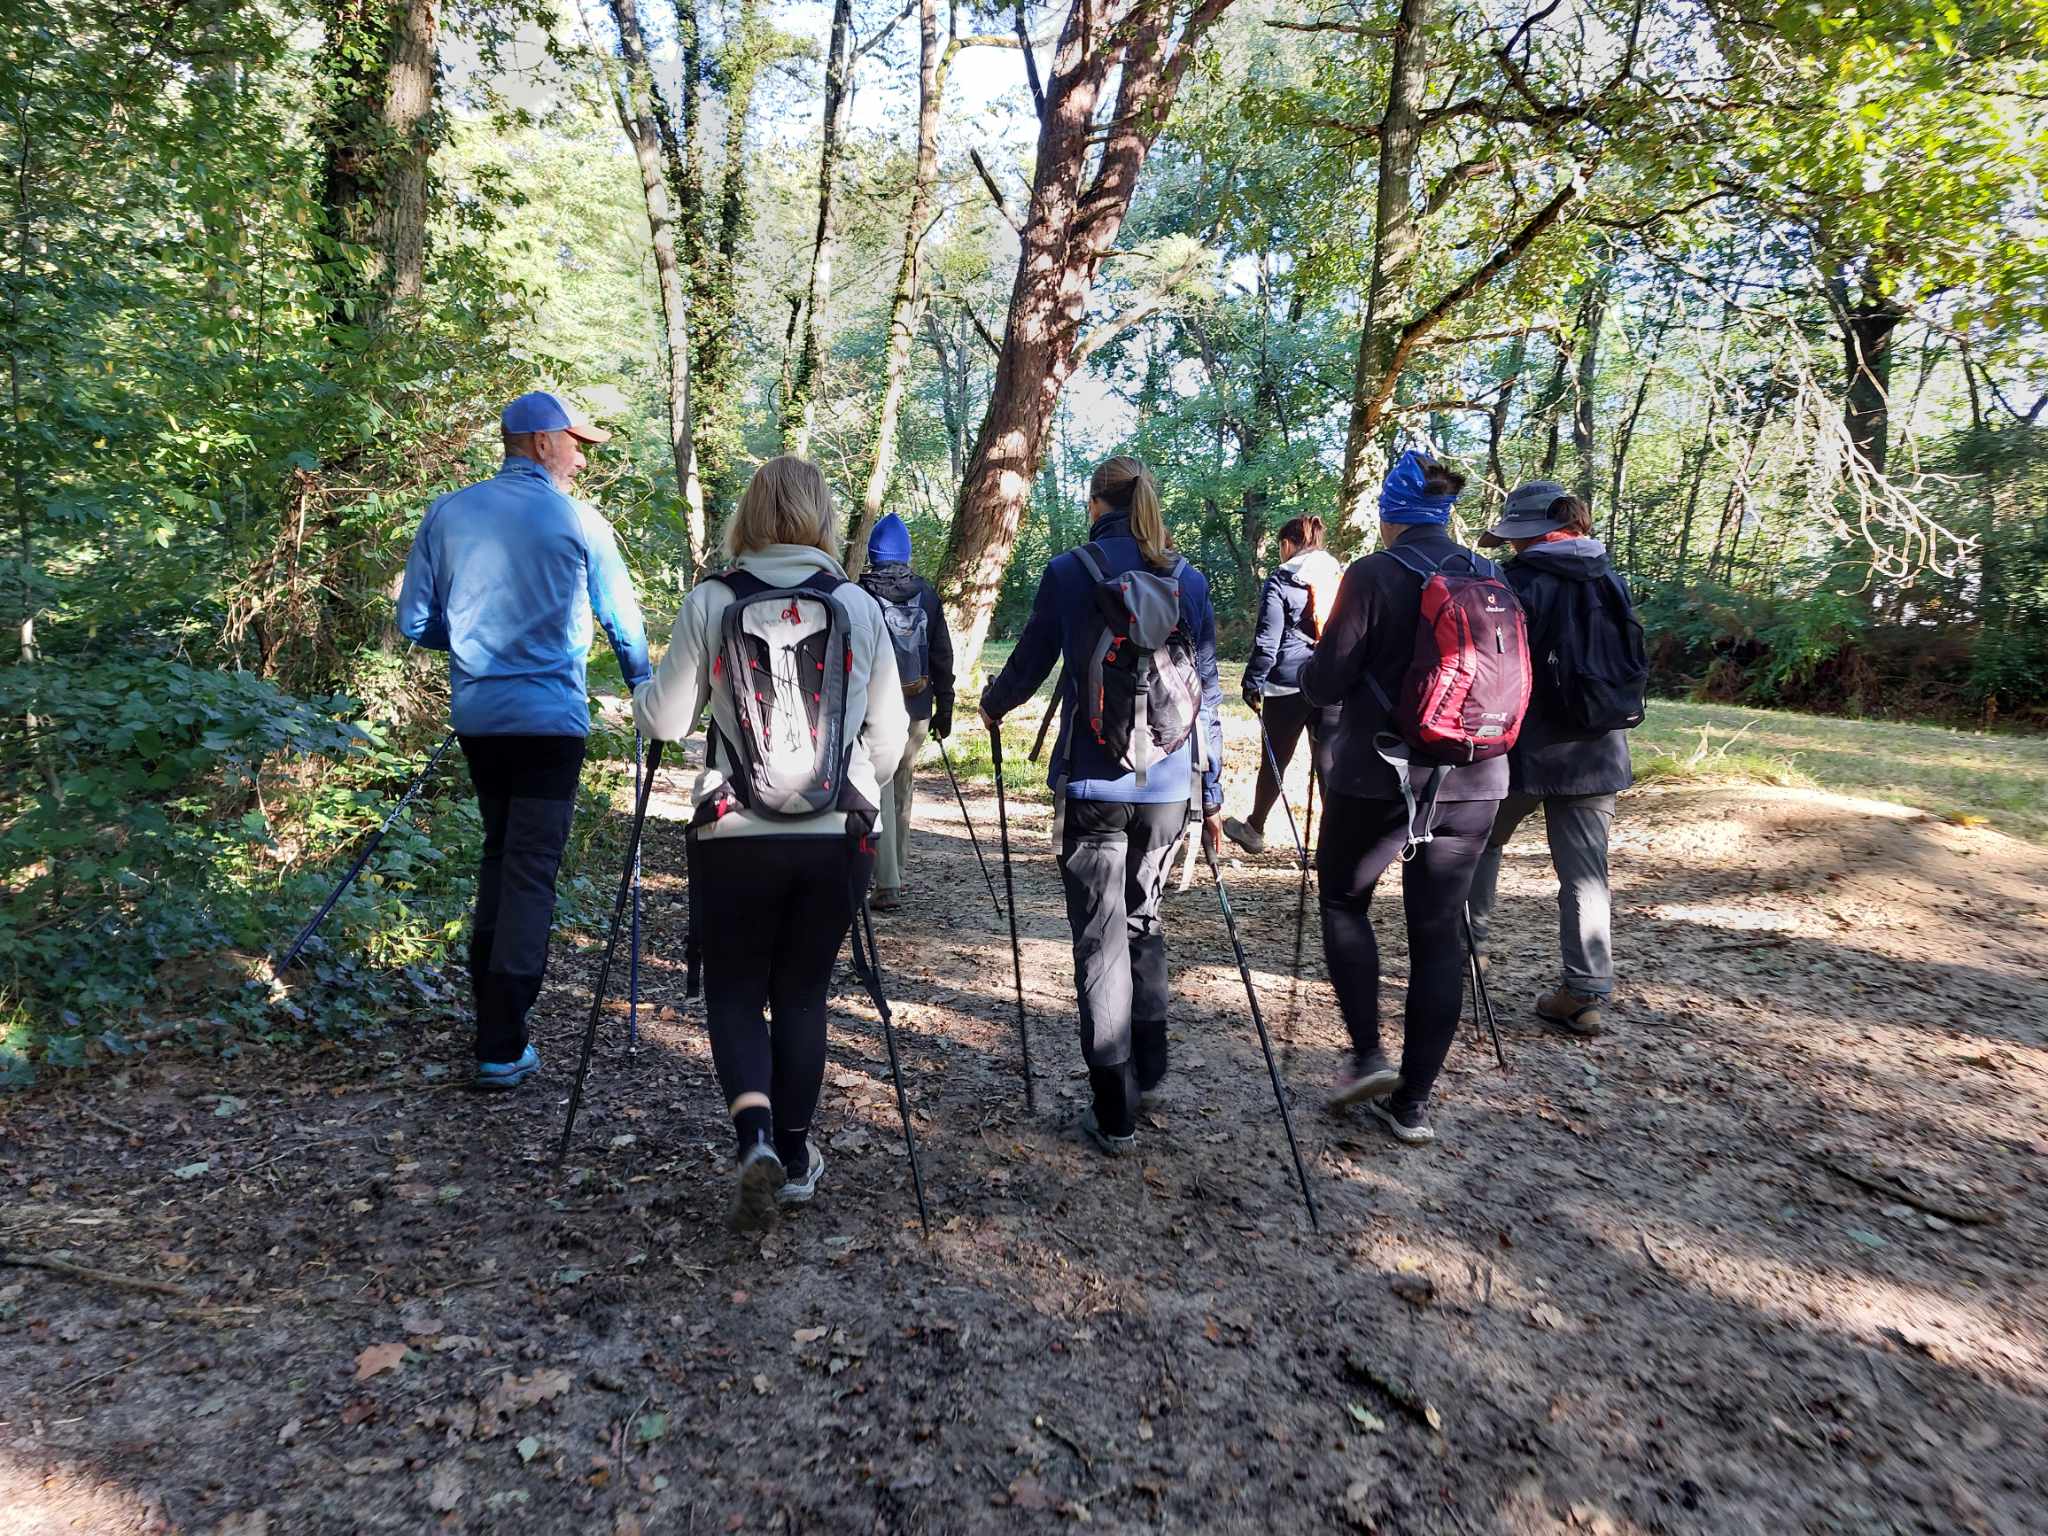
(539, 411)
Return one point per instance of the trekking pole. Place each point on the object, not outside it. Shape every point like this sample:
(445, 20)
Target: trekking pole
(291, 952)
(611, 946)
(1300, 920)
(1052, 708)
(946, 758)
(1481, 998)
(633, 970)
(1280, 786)
(1265, 1043)
(995, 750)
(870, 974)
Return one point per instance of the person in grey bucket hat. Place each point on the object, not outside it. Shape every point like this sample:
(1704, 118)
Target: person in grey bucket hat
(1571, 775)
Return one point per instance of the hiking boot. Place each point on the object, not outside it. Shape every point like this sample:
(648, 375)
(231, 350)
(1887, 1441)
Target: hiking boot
(887, 898)
(498, 1075)
(1106, 1144)
(798, 1191)
(1573, 1012)
(1406, 1122)
(1250, 839)
(761, 1177)
(1370, 1076)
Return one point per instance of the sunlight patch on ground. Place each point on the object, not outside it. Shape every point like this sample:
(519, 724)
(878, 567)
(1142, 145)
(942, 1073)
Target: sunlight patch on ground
(37, 1501)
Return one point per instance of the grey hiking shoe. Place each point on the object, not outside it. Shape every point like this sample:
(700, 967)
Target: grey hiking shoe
(1366, 1077)
(1106, 1144)
(1574, 1012)
(761, 1177)
(886, 898)
(1406, 1123)
(1246, 837)
(798, 1191)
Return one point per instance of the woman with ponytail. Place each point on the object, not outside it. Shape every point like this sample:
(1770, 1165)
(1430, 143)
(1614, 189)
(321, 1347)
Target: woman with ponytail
(1296, 600)
(1117, 827)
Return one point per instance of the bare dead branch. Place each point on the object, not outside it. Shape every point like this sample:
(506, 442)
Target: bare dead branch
(994, 191)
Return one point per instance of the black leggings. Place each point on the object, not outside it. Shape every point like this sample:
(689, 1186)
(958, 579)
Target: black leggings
(1360, 838)
(1286, 716)
(771, 913)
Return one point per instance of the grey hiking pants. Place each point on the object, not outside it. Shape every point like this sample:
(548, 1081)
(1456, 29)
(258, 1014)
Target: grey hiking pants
(892, 827)
(1114, 861)
(1577, 826)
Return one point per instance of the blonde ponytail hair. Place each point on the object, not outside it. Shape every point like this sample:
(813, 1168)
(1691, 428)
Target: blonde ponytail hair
(786, 502)
(1127, 486)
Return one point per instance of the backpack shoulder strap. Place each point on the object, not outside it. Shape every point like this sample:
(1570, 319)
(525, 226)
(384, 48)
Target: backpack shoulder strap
(1086, 554)
(1420, 565)
(742, 583)
(823, 581)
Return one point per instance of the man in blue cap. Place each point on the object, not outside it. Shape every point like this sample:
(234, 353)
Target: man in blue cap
(505, 577)
(924, 660)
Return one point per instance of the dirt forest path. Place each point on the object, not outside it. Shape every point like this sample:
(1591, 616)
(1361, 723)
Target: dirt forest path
(1767, 1257)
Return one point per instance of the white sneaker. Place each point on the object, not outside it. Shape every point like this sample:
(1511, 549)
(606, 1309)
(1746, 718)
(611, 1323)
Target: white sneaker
(799, 1191)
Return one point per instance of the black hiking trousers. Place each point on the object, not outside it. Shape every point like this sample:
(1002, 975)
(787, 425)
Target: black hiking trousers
(1114, 860)
(1286, 716)
(772, 912)
(526, 792)
(1359, 839)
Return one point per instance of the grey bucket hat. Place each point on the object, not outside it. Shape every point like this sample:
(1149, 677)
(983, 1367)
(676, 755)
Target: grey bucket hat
(1526, 515)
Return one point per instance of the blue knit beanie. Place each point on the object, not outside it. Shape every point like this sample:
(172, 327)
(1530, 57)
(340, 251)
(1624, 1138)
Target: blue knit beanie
(889, 544)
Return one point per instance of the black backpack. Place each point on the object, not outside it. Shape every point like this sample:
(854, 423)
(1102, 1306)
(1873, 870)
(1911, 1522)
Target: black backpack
(786, 652)
(1142, 696)
(910, 633)
(1592, 658)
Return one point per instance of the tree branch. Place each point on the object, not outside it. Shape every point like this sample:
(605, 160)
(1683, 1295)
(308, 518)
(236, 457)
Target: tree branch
(1030, 63)
(1115, 326)
(994, 191)
(1456, 177)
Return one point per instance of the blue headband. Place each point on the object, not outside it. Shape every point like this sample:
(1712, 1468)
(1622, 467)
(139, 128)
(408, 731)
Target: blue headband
(1401, 496)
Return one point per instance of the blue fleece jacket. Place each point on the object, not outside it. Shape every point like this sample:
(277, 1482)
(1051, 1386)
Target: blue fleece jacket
(505, 576)
(1064, 625)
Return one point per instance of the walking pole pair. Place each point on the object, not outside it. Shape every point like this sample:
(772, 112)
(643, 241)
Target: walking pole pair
(946, 758)
(1280, 785)
(1300, 916)
(633, 966)
(1480, 998)
(611, 945)
(291, 951)
(869, 969)
(995, 752)
(1265, 1042)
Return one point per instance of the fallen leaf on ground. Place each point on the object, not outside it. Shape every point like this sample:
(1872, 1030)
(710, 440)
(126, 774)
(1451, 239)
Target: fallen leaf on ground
(1544, 1315)
(378, 1359)
(445, 1488)
(528, 1449)
(650, 1428)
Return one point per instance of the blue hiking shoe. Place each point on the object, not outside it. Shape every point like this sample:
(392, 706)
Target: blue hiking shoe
(508, 1074)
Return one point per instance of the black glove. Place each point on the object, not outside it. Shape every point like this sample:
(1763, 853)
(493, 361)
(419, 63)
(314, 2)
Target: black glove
(1251, 696)
(942, 719)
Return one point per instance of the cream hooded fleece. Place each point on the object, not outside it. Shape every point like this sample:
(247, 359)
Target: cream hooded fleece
(667, 706)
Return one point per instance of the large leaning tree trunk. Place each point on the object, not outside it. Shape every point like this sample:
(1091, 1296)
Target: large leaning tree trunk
(377, 132)
(1395, 242)
(908, 300)
(1867, 321)
(635, 101)
(1069, 227)
(810, 359)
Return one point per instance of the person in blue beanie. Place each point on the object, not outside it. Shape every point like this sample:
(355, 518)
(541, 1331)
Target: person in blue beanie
(924, 660)
(506, 576)
(1366, 646)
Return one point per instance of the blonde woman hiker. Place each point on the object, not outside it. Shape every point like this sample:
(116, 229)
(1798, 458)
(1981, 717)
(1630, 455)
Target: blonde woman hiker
(807, 722)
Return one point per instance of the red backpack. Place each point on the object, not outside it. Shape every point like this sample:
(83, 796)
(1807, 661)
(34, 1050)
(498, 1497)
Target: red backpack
(1464, 694)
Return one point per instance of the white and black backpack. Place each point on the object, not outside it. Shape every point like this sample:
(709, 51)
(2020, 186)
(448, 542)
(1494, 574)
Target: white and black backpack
(786, 654)
(1142, 697)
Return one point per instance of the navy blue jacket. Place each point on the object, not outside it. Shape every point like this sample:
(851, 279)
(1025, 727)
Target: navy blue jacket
(1372, 635)
(1548, 758)
(895, 582)
(1283, 643)
(1064, 625)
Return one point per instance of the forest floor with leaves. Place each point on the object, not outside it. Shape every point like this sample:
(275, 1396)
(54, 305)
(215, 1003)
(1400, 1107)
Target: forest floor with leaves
(1766, 1257)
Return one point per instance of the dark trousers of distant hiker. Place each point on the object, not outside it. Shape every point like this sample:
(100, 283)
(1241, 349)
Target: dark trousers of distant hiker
(1359, 839)
(771, 913)
(526, 791)
(1286, 716)
(1114, 860)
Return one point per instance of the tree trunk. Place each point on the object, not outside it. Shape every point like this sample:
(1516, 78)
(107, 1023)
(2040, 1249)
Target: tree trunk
(803, 384)
(1692, 498)
(1553, 406)
(908, 299)
(638, 117)
(1594, 313)
(1867, 328)
(1497, 421)
(378, 135)
(1618, 477)
(954, 415)
(1395, 242)
(1070, 226)
(718, 359)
